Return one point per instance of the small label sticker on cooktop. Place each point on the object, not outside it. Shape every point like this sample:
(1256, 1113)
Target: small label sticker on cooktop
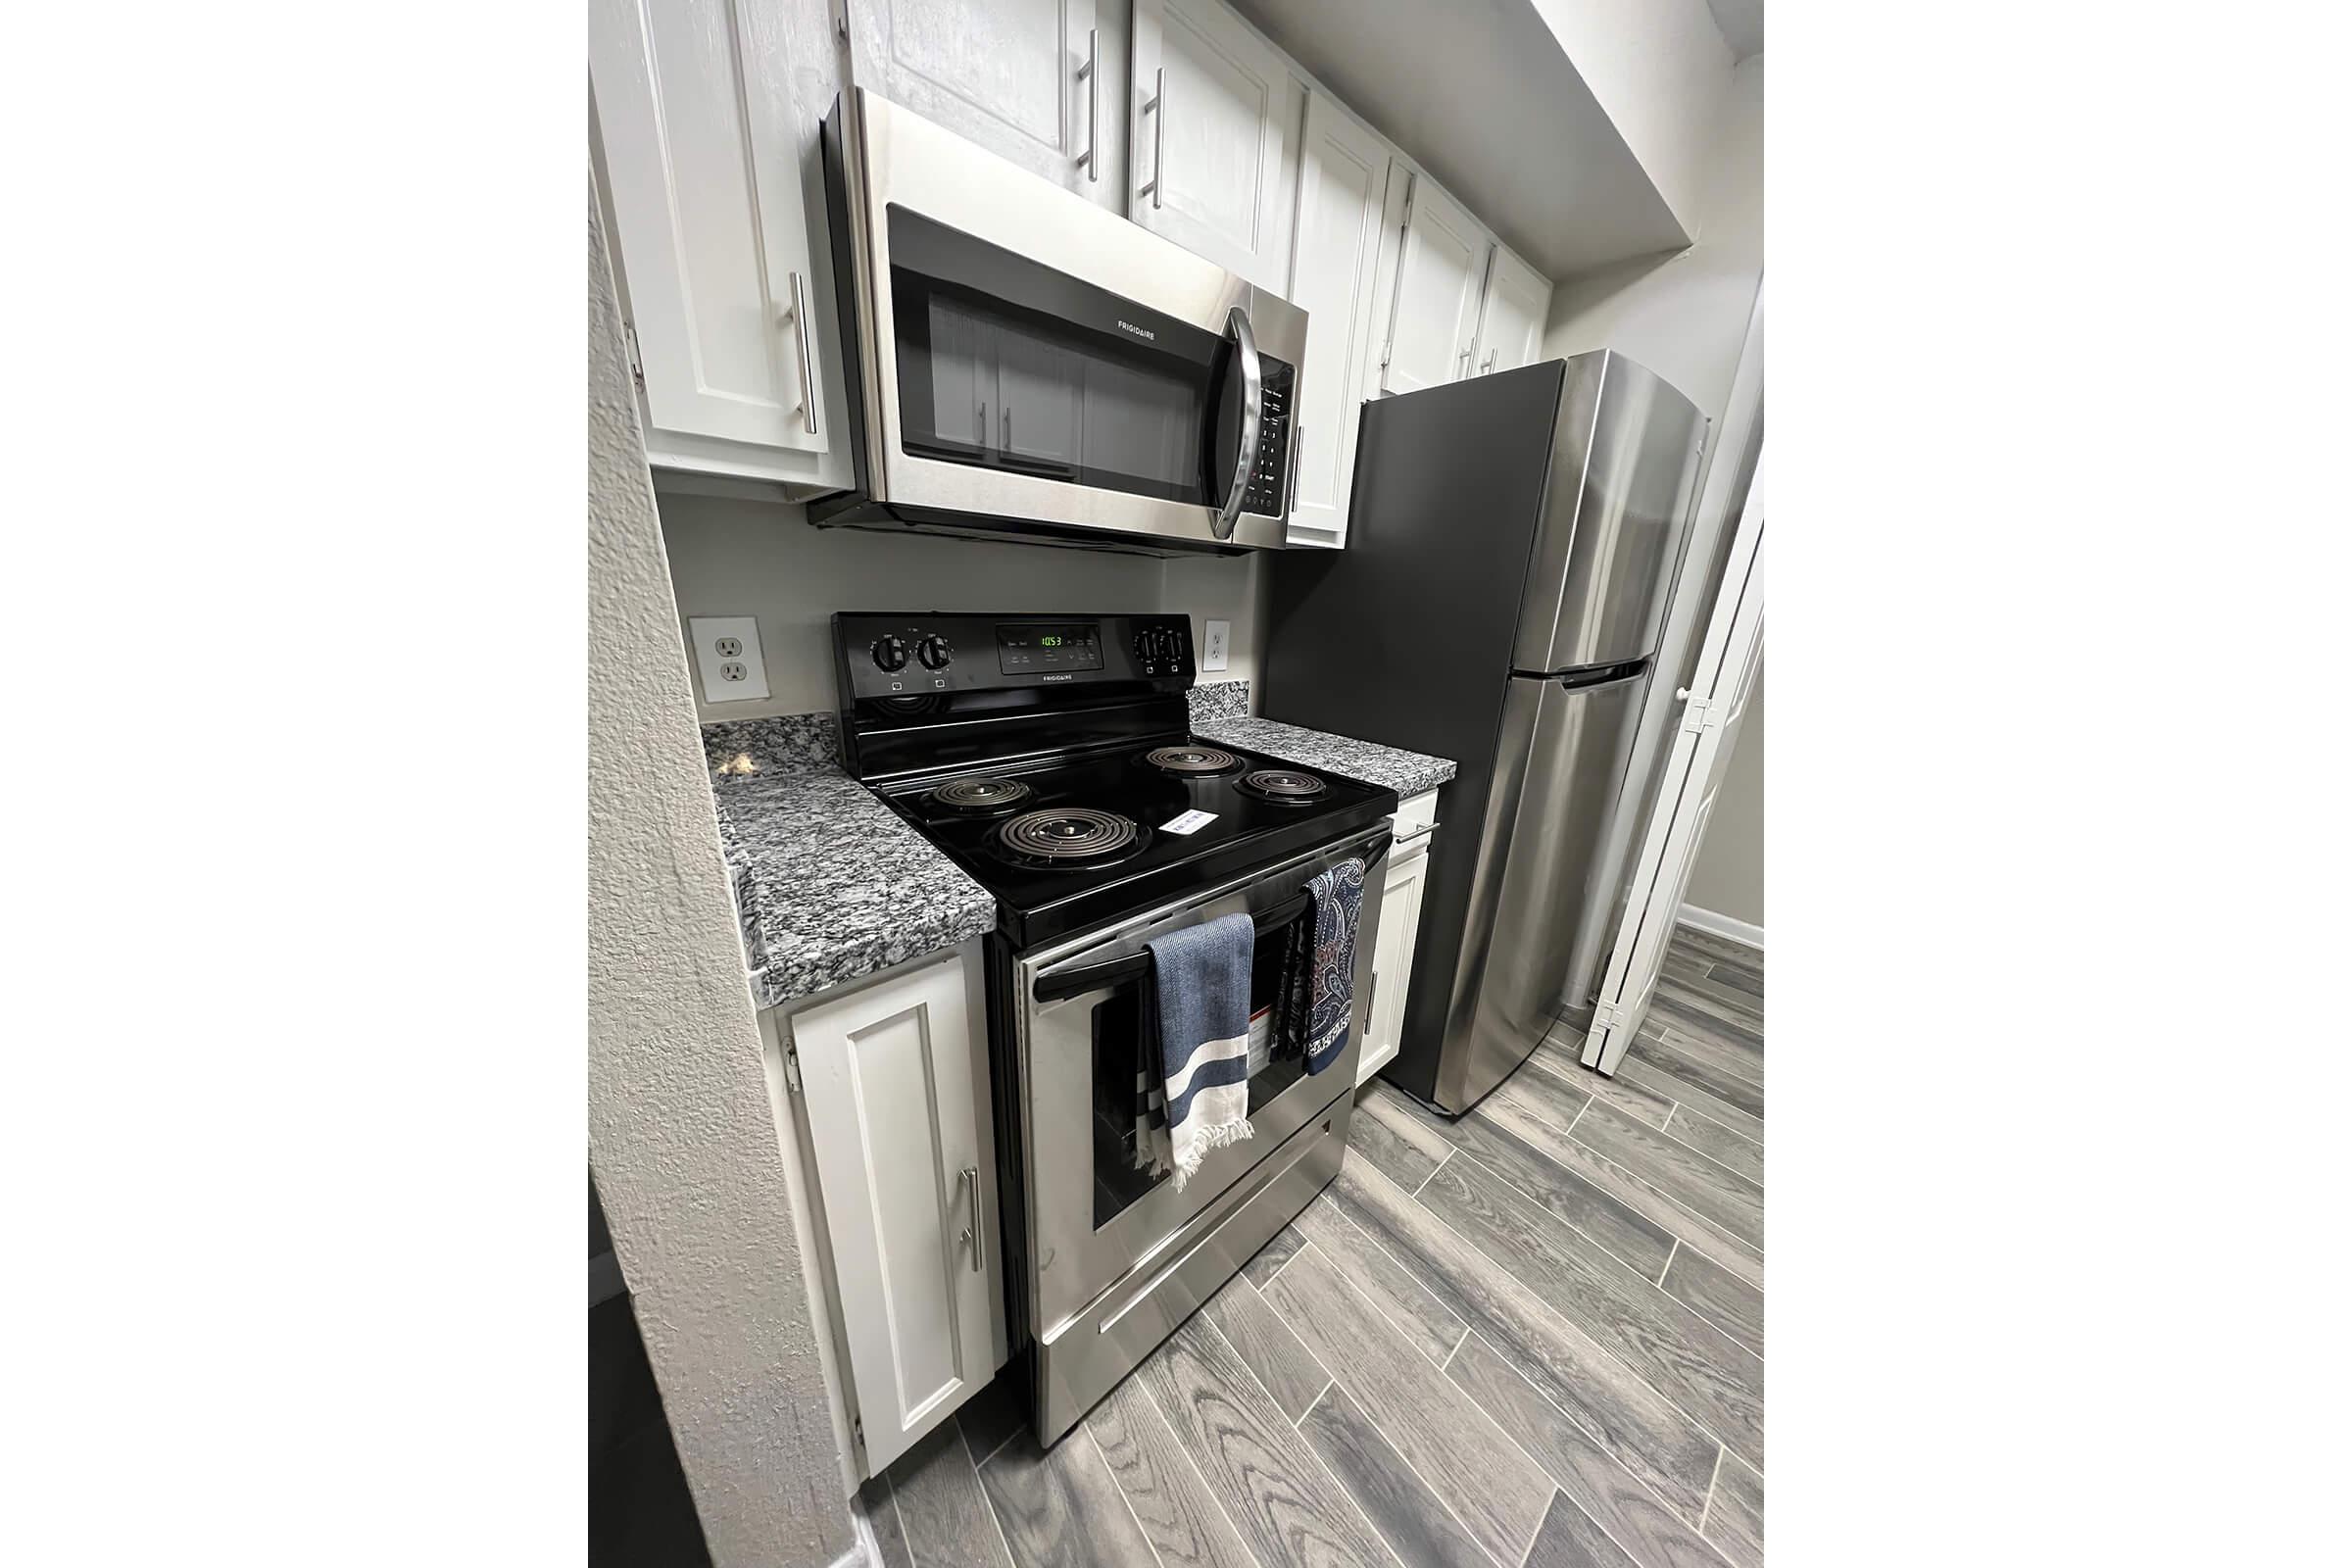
(1189, 822)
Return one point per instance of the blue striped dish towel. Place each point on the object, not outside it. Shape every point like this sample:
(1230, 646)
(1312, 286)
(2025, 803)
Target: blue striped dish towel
(1339, 898)
(1201, 980)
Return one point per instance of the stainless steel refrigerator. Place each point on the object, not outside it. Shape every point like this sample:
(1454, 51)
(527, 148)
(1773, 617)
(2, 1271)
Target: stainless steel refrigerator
(1512, 544)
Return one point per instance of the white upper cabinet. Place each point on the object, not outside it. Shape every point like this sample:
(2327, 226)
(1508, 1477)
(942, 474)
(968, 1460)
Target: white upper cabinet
(1440, 277)
(1511, 334)
(1213, 119)
(1023, 78)
(701, 159)
(1343, 188)
(897, 1082)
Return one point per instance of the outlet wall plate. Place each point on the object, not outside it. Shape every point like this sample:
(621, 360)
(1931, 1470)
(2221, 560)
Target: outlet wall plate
(1214, 644)
(726, 656)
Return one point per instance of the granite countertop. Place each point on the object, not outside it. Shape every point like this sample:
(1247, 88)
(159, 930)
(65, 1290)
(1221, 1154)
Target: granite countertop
(831, 885)
(1222, 712)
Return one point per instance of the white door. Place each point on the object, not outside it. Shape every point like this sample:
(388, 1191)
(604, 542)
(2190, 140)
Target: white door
(1702, 750)
(1334, 266)
(1210, 138)
(896, 1080)
(1511, 331)
(1440, 275)
(1393, 947)
(702, 167)
(1023, 78)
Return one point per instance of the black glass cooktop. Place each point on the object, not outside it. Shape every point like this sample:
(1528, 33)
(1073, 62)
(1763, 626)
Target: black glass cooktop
(1065, 843)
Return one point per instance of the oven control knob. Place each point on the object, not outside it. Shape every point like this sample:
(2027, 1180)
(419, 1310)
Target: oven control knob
(934, 652)
(890, 652)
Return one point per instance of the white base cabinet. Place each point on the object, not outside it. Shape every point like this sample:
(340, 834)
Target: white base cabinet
(1393, 944)
(894, 1079)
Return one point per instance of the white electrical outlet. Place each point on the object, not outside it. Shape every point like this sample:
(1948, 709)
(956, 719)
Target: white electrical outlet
(726, 654)
(1212, 651)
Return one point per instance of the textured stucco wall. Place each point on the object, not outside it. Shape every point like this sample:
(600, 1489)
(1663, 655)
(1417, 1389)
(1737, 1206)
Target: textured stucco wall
(680, 1134)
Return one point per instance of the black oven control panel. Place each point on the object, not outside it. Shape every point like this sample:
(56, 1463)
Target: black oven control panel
(1269, 470)
(900, 654)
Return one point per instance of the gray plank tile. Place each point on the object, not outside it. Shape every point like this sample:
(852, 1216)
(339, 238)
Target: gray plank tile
(882, 1512)
(1405, 1151)
(1642, 1244)
(1418, 1527)
(941, 1507)
(1717, 1143)
(1528, 1118)
(1710, 1376)
(1638, 1070)
(1570, 1540)
(1701, 989)
(1182, 1518)
(1717, 1295)
(1591, 1478)
(1735, 1515)
(1061, 1509)
(1691, 939)
(1558, 1058)
(1277, 1493)
(1289, 1371)
(1497, 1492)
(1717, 1043)
(1665, 1048)
(1419, 1317)
(1273, 1255)
(994, 1414)
(1739, 977)
(1636, 1423)
(1731, 1203)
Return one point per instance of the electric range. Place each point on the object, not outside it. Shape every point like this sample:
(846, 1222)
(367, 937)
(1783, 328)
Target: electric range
(1050, 757)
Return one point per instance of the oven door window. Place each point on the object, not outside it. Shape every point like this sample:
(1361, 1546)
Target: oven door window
(1123, 1168)
(1007, 365)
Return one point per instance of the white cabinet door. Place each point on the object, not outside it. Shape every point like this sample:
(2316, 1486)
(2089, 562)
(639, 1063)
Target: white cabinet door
(1392, 956)
(895, 1080)
(1511, 331)
(1342, 188)
(1011, 76)
(1211, 136)
(693, 102)
(1441, 276)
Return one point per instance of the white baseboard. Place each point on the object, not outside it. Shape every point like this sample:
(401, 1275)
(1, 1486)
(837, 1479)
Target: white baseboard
(1722, 925)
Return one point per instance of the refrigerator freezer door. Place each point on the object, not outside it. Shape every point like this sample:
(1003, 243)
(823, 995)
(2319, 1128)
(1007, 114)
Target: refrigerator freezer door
(1536, 879)
(1616, 516)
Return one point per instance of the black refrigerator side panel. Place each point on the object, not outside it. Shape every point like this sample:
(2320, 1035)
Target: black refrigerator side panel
(1404, 637)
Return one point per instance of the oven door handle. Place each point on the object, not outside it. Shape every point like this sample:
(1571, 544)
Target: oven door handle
(1115, 971)
(1254, 392)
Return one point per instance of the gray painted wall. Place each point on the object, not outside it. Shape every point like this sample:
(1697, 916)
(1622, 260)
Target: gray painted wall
(1728, 876)
(680, 1134)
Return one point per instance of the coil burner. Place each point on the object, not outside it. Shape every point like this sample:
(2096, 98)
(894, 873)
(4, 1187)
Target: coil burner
(980, 797)
(1071, 836)
(1284, 784)
(1192, 760)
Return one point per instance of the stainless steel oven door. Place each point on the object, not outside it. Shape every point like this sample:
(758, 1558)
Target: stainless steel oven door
(1094, 1219)
(1024, 353)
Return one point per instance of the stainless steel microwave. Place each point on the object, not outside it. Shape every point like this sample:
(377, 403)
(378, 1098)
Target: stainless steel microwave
(1022, 360)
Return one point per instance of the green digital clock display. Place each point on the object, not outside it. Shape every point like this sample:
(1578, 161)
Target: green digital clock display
(1049, 642)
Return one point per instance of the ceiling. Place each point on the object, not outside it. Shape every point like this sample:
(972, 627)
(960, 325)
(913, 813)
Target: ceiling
(1741, 24)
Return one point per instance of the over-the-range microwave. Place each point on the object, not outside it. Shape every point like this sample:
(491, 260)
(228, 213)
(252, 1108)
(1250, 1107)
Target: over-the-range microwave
(1022, 360)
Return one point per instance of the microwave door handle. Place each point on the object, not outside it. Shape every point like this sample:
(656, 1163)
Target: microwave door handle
(1253, 383)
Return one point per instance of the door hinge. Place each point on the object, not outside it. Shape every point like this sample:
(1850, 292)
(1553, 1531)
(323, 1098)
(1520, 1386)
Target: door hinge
(628, 335)
(1606, 1016)
(792, 1066)
(858, 1438)
(1700, 715)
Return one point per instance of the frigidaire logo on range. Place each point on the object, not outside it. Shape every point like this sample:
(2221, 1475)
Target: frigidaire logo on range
(1143, 333)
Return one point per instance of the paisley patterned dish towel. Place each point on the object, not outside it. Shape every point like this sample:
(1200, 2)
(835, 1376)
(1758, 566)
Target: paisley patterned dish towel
(1201, 985)
(1339, 898)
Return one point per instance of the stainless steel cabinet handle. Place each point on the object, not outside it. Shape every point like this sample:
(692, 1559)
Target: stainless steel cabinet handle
(1462, 360)
(1004, 423)
(800, 325)
(1488, 369)
(1245, 457)
(972, 1232)
(1157, 105)
(1371, 999)
(1092, 76)
(980, 424)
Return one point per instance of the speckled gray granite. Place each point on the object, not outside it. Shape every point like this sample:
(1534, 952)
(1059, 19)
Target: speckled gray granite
(831, 885)
(1222, 712)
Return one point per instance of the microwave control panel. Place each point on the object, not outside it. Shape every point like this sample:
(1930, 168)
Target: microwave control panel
(1269, 470)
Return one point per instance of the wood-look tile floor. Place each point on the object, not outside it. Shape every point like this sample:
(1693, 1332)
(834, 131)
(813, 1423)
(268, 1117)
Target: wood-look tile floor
(1533, 1336)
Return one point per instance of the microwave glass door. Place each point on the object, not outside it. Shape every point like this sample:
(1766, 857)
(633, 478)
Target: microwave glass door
(1006, 363)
